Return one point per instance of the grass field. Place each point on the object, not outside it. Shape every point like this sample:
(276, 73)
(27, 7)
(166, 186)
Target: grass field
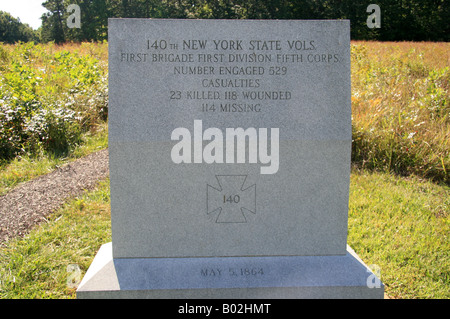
(402, 225)
(39, 266)
(398, 226)
(399, 196)
(401, 108)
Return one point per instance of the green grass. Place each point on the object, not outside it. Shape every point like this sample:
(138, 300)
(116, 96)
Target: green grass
(402, 226)
(39, 265)
(399, 224)
(24, 168)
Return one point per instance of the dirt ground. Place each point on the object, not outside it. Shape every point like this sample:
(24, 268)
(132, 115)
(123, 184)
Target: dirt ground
(29, 203)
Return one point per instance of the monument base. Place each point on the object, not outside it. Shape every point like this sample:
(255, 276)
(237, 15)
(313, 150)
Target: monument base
(343, 276)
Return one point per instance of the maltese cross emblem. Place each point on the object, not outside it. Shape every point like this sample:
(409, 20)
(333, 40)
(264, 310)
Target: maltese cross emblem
(230, 199)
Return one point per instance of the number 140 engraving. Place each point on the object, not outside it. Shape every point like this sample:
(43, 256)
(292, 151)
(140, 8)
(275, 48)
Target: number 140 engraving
(232, 199)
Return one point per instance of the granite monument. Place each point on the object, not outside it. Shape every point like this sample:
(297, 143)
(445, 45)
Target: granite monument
(229, 145)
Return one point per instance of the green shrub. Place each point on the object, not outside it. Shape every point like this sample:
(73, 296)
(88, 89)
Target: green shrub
(49, 96)
(54, 130)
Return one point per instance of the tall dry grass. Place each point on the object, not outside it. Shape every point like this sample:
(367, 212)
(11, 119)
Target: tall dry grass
(401, 108)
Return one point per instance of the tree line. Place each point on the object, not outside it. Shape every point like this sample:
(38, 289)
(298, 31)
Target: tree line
(400, 19)
(12, 30)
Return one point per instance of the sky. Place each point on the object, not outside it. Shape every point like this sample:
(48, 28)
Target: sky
(28, 11)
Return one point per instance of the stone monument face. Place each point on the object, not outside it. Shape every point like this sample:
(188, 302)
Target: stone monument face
(229, 150)
(229, 138)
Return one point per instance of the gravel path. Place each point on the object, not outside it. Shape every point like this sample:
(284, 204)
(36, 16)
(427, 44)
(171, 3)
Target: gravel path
(28, 204)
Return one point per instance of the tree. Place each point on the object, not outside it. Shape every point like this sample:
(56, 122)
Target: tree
(400, 19)
(12, 30)
(53, 24)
